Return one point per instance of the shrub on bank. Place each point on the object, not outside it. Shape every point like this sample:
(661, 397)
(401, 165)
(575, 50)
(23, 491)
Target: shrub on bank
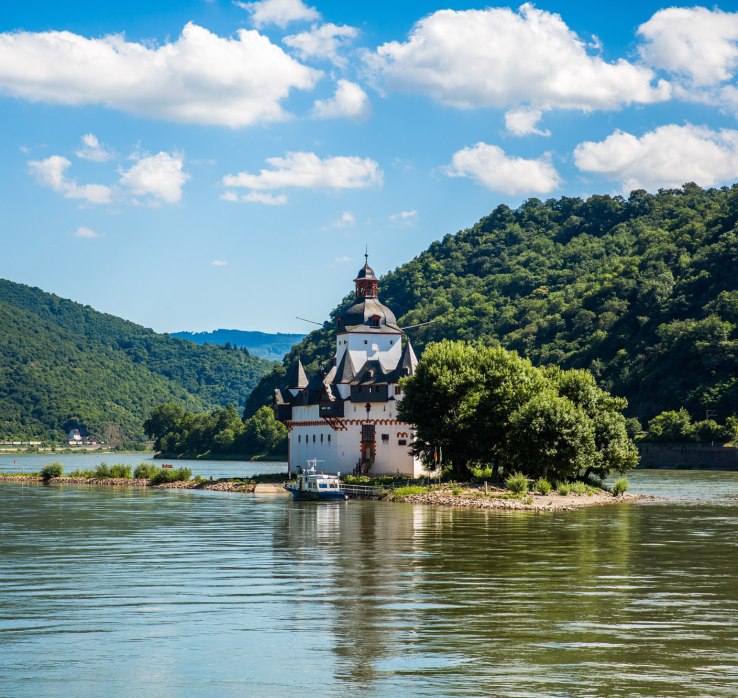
(51, 470)
(579, 488)
(119, 470)
(517, 483)
(563, 489)
(170, 475)
(620, 486)
(145, 471)
(543, 486)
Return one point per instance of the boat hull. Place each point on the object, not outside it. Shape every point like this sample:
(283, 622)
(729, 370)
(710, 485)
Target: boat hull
(307, 495)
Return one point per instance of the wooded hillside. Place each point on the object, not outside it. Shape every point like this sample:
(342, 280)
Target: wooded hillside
(643, 291)
(64, 365)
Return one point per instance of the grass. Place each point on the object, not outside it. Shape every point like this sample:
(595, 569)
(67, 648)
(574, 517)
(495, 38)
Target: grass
(517, 483)
(407, 491)
(620, 486)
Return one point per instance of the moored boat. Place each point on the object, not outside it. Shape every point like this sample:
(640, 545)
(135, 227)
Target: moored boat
(315, 486)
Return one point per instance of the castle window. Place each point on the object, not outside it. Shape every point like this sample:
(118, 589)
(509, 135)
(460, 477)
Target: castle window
(397, 390)
(321, 438)
(402, 442)
(299, 438)
(313, 438)
(374, 320)
(385, 438)
(329, 438)
(366, 341)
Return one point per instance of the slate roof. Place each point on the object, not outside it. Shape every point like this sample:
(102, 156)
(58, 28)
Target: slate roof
(296, 377)
(345, 372)
(358, 317)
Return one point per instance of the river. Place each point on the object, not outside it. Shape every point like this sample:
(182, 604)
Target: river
(140, 592)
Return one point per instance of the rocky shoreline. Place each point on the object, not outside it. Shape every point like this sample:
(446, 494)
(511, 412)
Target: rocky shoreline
(531, 502)
(216, 485)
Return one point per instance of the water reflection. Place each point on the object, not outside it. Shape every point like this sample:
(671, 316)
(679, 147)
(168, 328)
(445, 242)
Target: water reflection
(141, 592)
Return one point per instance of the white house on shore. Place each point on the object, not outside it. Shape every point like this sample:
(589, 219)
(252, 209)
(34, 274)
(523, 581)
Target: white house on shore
(346, 415)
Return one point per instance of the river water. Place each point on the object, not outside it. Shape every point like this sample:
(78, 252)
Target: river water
(140, 592)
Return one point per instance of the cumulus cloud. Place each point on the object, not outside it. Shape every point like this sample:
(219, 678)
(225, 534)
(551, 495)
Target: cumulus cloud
(345, 220)
(255, 197)
(489, 166)
(93, 150)
(279, 12)
(405, 218)
(51, 173)
(522, 122)
(322, 42)
(307, 170)
(348, 101)
(86, 233)
(694, 42)
(500, 58)
(199, 78)
(669, 156)
(160, 177)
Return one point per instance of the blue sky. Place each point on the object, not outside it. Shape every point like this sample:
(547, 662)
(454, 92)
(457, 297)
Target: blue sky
(204, 164)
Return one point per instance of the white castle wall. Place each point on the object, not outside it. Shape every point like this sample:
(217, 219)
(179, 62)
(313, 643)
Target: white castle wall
(385, 347)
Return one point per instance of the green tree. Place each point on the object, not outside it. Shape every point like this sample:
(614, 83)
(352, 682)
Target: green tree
(263, 434)
(163, 421)
(671, 427)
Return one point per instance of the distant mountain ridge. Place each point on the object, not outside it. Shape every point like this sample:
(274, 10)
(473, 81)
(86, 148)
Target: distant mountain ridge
(64, 365)
(272, 346)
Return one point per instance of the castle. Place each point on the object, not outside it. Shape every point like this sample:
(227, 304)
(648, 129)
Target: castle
(346, 416)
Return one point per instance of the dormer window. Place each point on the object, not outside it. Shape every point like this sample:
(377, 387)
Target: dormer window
(339, 322)
(374, 321)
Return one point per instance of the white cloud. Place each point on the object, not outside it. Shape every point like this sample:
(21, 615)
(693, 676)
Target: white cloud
(219, 263)
(262, 197)
(93, 150)
(491, 167)
(322, 42)
(669, 156)
(695, 42)
(343, 260)
(86, 233)
(345, 220)
(500, 58)
(307, 170)
(522, 122)
(279, 12)
(51, 173)
(349, 100)
(159, 176)
(405, 218)
(199, 78)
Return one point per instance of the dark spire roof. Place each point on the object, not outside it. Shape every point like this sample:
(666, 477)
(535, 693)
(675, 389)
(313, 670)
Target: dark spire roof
(366, 272)
(296, 377)
(408, 361)
(345, 372)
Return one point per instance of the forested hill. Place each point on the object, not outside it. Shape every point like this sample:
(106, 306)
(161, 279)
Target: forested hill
(65, 365)
(263, 344)
(642, 291)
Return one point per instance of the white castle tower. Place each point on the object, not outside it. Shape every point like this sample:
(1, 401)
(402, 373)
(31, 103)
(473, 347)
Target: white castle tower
(346, 415)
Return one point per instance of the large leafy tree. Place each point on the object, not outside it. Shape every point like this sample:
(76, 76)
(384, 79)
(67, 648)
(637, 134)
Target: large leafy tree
(486, 404)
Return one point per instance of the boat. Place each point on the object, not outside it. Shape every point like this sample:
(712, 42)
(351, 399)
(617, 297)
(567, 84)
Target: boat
(315, 486)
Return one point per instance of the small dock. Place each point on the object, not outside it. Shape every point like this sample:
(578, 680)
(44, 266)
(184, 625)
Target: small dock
(364, 491)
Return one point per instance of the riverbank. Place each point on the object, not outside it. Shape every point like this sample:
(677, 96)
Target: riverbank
(501, 500)
(216, 485)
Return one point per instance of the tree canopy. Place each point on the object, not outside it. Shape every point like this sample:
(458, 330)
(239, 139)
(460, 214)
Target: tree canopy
(487, 405)
(641, 291)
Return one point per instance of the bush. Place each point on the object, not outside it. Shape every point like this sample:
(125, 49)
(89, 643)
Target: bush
(456, 491)
(82, 473)
(579, 488)
(620, 486)
(51, 470)
(106, 471)
(171, 475)
(543, 486)
(517, 483)
(145, 471)
(564, 488)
